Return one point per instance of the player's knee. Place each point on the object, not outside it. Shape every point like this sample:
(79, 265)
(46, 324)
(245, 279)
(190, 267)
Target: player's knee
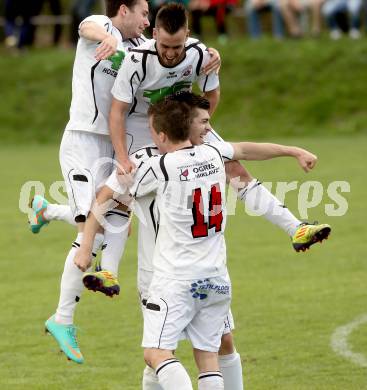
(154, 356)
(226, 345)
(235, 170)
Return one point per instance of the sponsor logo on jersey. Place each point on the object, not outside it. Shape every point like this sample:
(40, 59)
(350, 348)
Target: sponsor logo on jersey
(110, 72)
(116, 60)
(184, 175)
(205, 170)
(201, 288)
(133, 59)
(187, 72)
(171, 75)
(158, 94)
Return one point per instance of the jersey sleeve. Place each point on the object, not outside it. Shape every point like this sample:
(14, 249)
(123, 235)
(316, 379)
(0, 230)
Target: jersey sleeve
(128, 78)
(207, 82)
(225, 149)
(101, 20)
(147, 178)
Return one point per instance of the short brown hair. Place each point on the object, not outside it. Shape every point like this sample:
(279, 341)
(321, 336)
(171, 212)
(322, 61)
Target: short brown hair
(112, 6)
(172, 17)
(193, 100)
(172, 118)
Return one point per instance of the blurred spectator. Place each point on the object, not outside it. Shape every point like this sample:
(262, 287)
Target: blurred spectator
(216, 8)
(254, 9)
(15, 11)
(293, 10)
(56, 10)
(332, 8)
(80, 9)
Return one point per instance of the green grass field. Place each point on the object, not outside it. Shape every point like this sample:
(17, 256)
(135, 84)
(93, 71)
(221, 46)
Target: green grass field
(286, 305)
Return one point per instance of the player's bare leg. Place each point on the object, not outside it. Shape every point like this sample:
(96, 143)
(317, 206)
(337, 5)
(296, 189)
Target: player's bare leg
(257, 197)
(171, 373)
(230, 364)
(210, 377)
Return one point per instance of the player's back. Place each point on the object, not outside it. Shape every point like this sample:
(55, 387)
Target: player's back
(191, 203)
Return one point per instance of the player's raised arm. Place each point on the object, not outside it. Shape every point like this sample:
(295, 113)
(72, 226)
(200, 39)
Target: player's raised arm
(213, 97)
(266, 151)
(214, 63)
(209, 82)
(118, 113)
(101, 205)
(96, 29)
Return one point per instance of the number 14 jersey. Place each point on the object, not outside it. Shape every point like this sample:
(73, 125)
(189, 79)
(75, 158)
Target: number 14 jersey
(190, 198)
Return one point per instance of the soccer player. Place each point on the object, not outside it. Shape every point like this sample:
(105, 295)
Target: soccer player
(86, 151)
(168, 64)
(229, 359)
(171, 199)
(103, 43)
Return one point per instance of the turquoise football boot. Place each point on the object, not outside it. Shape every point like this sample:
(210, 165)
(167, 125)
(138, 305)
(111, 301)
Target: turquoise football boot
(37, 219)
(65, 335)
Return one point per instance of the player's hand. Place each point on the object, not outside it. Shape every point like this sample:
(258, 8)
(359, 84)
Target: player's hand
(125, 167)
(214, 63)
(83, 260)
(106, 48)
(306, 160)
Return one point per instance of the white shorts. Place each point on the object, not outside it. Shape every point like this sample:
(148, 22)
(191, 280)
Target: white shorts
(145, 279)
(86, 163)
(198, 308)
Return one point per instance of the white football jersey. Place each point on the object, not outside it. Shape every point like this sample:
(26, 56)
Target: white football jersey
(142, 80)
(189, 185)
(145, 209)
(93, 80)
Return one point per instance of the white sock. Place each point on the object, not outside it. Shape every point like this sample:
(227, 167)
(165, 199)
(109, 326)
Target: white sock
(150, 379)
(173, 376)
(71, 283)
(114, 240)
(59, 212)
(211, 380)
(231, 369)
(260, 201)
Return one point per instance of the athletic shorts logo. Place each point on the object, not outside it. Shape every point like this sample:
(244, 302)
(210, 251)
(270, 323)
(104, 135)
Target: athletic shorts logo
(201, 288)
(198, 289)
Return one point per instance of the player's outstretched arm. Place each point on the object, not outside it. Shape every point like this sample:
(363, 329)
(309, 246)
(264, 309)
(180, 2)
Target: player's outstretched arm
(101, 205)
(95, 32)
(266, 151)
(118, 114)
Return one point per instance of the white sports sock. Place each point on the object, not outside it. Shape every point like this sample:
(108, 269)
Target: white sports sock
(71, 283)
(59, 212)
(231, 369)
(150, 379)
(114, 240)
(173, 376)
(211, 380)
(260, 201)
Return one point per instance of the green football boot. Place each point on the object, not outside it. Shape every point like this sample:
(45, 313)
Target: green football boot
(308, 234)
(102, 281)
(36, 219)
(65, 335)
